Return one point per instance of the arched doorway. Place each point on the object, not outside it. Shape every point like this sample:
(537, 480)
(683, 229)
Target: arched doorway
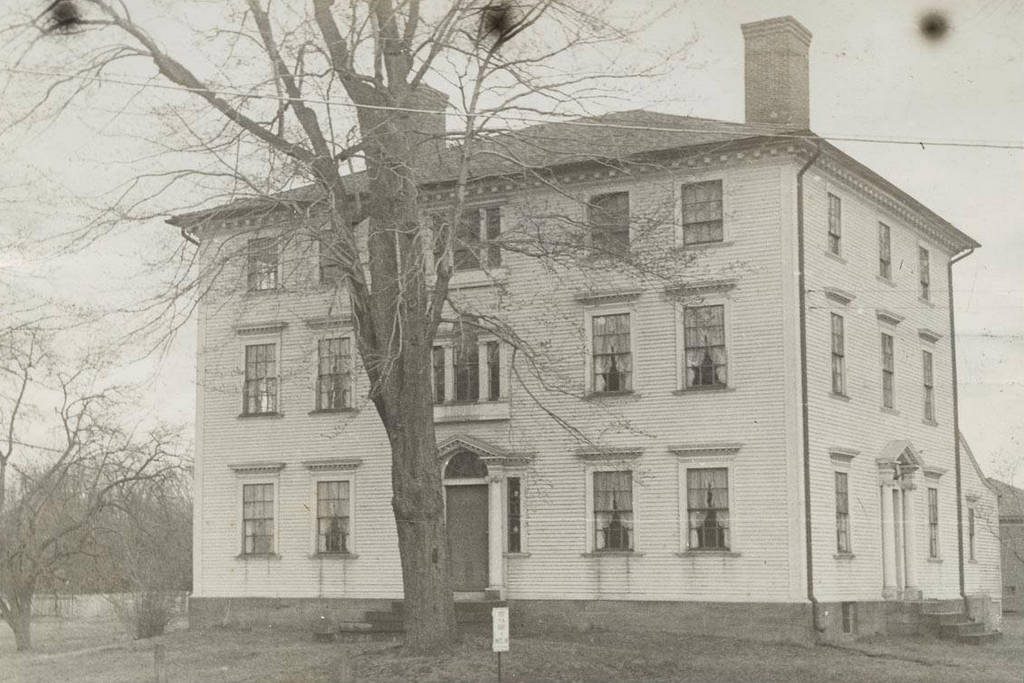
(466, 517)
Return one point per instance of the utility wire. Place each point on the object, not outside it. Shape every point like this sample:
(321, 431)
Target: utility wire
(922, 142)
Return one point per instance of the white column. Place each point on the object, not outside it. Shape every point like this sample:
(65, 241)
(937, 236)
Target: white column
(910, 536)
(898, 555)
(888, 538)
(495, 538)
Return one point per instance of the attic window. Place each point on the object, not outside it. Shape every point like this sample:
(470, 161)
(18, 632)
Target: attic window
(262, 260)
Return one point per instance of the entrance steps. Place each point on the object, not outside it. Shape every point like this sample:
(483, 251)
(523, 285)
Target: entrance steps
(956, 625)
(392, 620)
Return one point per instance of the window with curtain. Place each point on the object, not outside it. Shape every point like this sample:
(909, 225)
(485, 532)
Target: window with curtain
(613, 510)
(707, 508)
(842, 513)
(257, 519)
(612, 355)
(262, 261)
(332, 516)
(260, 389)
(704, 332)
(334, 374)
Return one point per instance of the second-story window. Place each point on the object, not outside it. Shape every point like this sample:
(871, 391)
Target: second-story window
(466, 358)
(261, 262)
(437, 361)
(608, 217)
(888, 371)
(702, 212)
(929, 385)
(835, 224)
(924, 275)
(493, 371)
(330, 258)
(884, 251)
(334, 374)
(704, 332)
(260, 391)
(612, 356)
(838, 356)
(476, 240)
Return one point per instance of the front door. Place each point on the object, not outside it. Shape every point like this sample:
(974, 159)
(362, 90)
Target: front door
(466, 518)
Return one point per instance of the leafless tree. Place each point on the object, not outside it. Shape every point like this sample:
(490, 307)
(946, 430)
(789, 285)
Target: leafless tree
(71, 462)
(326, 59)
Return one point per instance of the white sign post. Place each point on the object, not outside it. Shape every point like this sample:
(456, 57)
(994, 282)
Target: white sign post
(499, 633)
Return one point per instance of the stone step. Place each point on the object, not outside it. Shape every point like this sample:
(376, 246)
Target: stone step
(367, 627)
(947, 617)
(983, 638)
(961, 629)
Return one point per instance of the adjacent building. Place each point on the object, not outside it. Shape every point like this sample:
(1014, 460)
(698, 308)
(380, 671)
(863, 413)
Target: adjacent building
(766, 444)
(1011, 536)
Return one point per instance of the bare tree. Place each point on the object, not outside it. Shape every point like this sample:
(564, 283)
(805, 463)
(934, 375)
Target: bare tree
(51, 513)
(325, 59)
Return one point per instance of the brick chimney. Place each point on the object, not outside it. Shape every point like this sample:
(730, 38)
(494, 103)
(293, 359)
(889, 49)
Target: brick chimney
(776, 75)
(428, 126)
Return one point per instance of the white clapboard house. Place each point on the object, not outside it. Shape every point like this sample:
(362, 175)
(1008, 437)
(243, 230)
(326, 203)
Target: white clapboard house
(769, 447)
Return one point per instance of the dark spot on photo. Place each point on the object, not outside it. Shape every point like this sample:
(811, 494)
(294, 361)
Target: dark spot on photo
(933, 25)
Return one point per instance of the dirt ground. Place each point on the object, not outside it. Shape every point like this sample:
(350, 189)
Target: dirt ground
(98, 651)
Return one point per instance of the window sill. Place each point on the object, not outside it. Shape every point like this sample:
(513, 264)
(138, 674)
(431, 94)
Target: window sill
(612, 553)
(712, 388)
(332, 411)
(935, 560)
(610, 394)
(890, 411)
(835, 257)
(885, 281)
(844, 556)
(930, 423)
(839, 397)
(333, 556)
(247, 416)
(696, 552)
(513, 556)
(247, 557)
(701, 246)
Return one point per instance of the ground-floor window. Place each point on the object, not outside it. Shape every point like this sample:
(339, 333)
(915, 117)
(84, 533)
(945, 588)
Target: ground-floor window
(332, 517)
(933, 523)
(515, 512)
(707, 503)
(613, 510)
(257, 519)
(842, 513)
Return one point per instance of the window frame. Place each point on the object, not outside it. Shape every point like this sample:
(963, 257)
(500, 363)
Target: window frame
(250, 276)
(261, 340)
(680, 188)
(834, 237)
(327, 475)
(447, 344)
(326, 336)
(591, 518)
(840, 354)
(843, 516)
(589, 314)
(243, 479)
(928, 386)
(506, 518)
(885, 251)
(606, 249)
(934, 547)
(706, 461)
(890, 372)
(681, 368)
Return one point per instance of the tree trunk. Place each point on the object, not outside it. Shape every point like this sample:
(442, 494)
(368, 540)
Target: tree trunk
(20, 621)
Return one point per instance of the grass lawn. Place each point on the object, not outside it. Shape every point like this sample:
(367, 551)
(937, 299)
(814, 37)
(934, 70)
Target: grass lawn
(97, 651)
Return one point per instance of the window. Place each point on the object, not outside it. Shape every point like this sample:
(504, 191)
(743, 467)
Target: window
(493, 370)
(835, 223)
(924, 273)
(330, 258)
(476, 240)
(515, 518)
(466, 357)
(702, 212)
(849, 616)
(332, 516)
(258, 519)
(437, 359)
(608, 217)
(612, 358)
(884, 251)
(613, 510)
(262, 263)
(707, 508)
(933, 523)
(334, 374)
(888, 371)
(970, 533)
(704, 334)
(838, 356)
(842, 513)
(929, 386)
(260, 390)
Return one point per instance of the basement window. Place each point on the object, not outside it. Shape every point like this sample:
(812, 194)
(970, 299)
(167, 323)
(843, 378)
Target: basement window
(849, 614)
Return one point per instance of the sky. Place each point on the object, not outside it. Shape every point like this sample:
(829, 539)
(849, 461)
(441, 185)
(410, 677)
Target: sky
(873, 75)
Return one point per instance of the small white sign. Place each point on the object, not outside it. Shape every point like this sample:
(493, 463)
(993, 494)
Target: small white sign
(499, 629)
